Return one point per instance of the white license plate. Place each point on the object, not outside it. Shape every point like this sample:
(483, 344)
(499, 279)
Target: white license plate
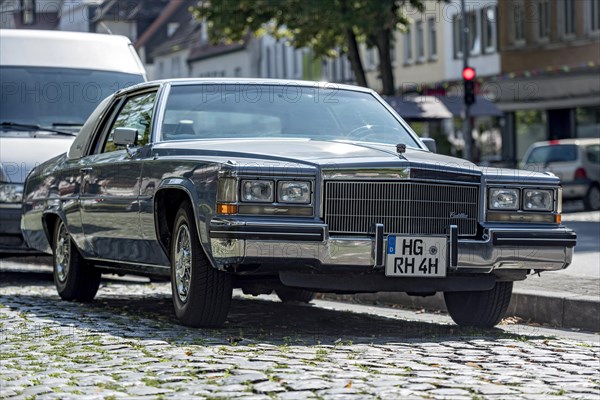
(416, 256)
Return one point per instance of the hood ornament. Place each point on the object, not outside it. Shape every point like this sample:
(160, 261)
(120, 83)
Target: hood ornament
(400, 148)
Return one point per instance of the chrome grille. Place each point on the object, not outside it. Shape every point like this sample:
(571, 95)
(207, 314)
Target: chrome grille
(402, 207)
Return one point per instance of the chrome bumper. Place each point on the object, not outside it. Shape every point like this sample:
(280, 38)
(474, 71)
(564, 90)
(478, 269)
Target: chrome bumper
(238, 242)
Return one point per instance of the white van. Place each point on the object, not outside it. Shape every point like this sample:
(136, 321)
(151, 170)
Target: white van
(49, 84)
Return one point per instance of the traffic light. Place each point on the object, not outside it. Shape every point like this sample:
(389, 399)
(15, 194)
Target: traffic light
(469, 79)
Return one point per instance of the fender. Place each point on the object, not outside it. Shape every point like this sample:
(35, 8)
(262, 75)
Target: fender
(199, 217)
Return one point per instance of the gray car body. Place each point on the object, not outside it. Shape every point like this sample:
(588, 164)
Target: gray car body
(118, 220)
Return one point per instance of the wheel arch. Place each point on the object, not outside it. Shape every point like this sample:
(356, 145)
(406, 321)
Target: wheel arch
(167, 199)
(49, 222)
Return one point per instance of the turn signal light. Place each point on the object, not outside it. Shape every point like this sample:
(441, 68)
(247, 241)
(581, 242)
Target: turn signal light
(227, 209)
(557, 218)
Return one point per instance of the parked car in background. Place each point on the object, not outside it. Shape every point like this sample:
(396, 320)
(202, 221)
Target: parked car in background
(50, 83)
(295, 187)
(575, 161)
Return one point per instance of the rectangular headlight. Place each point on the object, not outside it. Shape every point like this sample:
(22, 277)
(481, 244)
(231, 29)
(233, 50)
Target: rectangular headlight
(538, 200)
(257, 191)
(297, 192)
(11, 192)
(503, 199)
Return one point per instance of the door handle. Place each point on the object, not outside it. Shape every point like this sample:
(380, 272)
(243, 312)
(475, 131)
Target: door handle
(86, 170)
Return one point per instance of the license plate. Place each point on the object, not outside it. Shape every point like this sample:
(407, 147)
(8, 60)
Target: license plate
(416, 256)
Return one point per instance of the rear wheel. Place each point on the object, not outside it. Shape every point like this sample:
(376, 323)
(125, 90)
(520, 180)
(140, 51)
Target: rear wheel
(201, 294)
(74, 278)
(592, 198)
(480, 309)
(289, 294)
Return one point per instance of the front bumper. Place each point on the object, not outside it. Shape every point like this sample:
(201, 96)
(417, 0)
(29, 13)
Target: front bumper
(11, 239)
(235, 243)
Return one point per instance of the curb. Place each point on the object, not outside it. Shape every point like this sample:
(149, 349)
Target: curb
(564, 310)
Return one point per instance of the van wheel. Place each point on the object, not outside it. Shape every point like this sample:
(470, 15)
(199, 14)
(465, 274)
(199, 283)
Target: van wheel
(592, 198)
(201, 294)
(482, 309)
(74, 278)
(289, 294)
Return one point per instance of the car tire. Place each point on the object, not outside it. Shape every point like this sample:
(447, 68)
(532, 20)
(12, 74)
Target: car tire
(74, 278)
(289, 294)
(201, 293)
(592, 198)
(482, 309)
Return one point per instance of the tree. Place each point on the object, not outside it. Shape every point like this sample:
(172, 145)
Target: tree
(329, 27)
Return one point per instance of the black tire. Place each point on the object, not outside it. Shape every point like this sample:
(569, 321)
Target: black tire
(482, 309)
(290, 294)
(592, 198)
(74, 278)
(207, 299)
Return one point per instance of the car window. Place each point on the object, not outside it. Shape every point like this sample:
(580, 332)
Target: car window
(593, 153)
(552, 154)
(136, 113)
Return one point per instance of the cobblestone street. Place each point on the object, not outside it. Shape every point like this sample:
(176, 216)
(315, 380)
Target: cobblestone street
(127, 344)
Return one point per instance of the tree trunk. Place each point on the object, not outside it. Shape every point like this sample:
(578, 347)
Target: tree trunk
(354, 58)
(385, 62)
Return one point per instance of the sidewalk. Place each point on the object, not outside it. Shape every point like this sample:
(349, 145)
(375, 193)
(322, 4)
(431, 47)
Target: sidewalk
(568, 299)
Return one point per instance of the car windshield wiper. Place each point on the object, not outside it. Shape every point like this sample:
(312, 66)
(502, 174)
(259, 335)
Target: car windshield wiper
(33, 127)
(67, 124)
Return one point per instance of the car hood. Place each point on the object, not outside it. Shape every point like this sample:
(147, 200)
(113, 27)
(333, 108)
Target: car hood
(19, 155)
(333, 155)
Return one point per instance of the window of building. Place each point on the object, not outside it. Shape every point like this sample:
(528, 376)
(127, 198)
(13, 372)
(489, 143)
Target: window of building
(474, 34)
(408, 50)
(593, 13)
(457, 35)
(268, 60)
(432, 32)
(588, 122)
(488, 29)
(393, 51)
(419, 33)
(518, 22)
(172, 28)
(567, 13)
(543, 19)
(284, 61)
(28, 12)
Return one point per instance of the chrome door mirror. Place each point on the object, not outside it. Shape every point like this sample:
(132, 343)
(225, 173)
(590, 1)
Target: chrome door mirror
(125, 136)
(430, 143)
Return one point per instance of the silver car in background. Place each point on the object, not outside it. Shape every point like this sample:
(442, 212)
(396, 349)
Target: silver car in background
(575, 161)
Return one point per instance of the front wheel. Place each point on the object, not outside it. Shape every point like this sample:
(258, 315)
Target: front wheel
(74, 278)
(482, 309)
(201, 294)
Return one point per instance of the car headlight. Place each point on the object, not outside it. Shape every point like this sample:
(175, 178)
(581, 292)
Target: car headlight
(538, 200)
(293, 192)
(503, 199)
(11, 192)
(257, 191)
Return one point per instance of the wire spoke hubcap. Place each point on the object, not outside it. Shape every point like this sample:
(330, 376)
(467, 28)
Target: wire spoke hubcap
(183, 262)
(62, 256)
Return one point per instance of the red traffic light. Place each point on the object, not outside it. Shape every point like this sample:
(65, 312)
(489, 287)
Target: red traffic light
(468, 73)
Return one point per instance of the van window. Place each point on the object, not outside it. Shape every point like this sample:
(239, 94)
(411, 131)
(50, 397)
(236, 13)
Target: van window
(593, 153)
(56, 97)
(552, 154)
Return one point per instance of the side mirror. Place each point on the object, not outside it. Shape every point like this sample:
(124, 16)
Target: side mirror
(430, 143)
(125, 136)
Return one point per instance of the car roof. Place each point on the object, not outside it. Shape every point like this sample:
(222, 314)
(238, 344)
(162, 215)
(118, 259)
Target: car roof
(575, 141)
(39, 48)
(326, 86)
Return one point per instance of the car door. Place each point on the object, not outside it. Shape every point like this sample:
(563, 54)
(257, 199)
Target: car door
(109, 200)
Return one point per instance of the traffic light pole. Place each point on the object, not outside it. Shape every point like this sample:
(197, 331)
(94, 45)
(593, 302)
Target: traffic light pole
(467, 154)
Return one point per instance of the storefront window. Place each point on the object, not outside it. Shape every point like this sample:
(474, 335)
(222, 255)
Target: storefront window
(588, 122)
(531, 128)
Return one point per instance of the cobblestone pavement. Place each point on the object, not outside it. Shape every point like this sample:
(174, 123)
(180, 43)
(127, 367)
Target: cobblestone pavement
(127, 344)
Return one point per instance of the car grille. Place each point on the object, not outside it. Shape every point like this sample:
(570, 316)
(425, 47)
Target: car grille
(402, 207)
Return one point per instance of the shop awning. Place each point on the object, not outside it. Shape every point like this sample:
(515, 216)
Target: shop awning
(418, 108)
(482, 107)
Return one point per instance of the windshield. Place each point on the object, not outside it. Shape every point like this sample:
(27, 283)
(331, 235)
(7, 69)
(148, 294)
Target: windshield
(552, 154)
(56, 97)
(279, 111)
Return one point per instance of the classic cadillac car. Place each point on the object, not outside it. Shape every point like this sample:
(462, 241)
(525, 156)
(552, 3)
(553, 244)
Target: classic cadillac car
(292, 187)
